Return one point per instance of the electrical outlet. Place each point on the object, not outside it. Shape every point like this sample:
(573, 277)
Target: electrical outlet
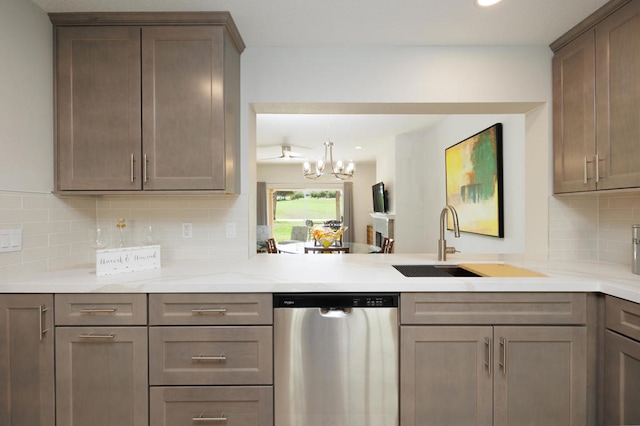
(187, 230)
(231, 229)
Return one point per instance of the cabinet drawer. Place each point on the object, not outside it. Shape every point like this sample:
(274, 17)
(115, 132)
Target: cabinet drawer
(493, 308)
(210, 309)
(623, 316)
(210, 355)
(101, 309)
(231, 406)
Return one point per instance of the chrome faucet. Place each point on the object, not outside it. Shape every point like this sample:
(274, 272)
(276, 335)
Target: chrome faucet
(442, 243)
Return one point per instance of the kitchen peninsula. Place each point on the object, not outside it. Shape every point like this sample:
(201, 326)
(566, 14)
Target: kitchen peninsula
(147, 319)
(351, 273)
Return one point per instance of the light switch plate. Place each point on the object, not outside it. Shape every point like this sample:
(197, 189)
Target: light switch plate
(10, 240)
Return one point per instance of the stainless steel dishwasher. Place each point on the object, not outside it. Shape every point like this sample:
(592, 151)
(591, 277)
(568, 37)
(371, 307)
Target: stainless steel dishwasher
(336, 359)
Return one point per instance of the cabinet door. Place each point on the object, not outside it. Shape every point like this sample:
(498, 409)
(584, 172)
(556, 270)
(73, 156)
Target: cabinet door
(98, 108)
(183, 113)
(26, 360)
(541, 376)
(101, 376)
(618, 98)
(574, 116)
(622, 380)
(446, 376)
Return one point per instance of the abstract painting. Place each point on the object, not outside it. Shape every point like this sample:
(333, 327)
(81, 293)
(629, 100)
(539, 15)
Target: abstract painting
(474, 182)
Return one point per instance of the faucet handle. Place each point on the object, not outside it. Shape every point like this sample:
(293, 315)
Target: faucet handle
(451, 250)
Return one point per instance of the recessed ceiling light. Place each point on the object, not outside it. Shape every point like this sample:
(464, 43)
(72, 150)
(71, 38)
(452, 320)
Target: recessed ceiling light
(487, 3)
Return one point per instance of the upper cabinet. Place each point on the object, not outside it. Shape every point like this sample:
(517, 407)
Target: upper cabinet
(596, 101)
(147, 102)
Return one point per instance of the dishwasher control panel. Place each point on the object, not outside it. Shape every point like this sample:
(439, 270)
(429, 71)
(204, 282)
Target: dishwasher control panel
(335, 300)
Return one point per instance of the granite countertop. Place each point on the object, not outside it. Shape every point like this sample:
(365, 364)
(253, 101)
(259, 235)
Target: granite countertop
(335, 273)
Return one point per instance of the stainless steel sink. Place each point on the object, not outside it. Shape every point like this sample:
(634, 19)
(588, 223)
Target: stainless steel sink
(434, 271)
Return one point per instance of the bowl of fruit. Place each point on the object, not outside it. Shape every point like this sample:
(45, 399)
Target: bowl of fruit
(326, 236)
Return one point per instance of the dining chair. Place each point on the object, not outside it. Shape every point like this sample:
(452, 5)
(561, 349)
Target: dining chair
(271, 245)
(331, 250)
(299, 233)
(387, 245)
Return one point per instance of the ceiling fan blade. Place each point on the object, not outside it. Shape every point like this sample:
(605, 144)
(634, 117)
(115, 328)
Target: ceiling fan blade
(286, 154)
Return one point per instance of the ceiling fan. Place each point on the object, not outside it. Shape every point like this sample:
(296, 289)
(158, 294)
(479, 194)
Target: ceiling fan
(286, 154)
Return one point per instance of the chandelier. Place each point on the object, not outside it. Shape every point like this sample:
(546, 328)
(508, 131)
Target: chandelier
(339, 169)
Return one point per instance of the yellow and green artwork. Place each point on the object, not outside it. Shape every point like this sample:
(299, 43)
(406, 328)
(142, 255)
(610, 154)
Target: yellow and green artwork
(474, 182)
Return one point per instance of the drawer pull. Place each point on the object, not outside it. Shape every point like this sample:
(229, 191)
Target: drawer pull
(201, 311)
(96, 336)
(93, 311)
(222, 418)
(209, 358)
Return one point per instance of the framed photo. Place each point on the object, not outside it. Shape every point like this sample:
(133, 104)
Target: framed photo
(474, 182)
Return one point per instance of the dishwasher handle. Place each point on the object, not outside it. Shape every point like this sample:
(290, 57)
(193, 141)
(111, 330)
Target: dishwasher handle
(335, 312)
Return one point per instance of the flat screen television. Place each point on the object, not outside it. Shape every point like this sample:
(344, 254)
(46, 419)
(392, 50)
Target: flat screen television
(379, 198)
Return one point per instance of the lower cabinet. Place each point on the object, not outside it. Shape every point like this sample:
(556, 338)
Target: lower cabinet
(211, 359)
(488, 375)
(493, 359)
(26, 360)
(622, 380)
(101, 371)
(622, 362)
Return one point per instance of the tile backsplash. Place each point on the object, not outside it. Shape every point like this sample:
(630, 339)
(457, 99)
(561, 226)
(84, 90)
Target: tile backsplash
(593, 226)
(56, 230)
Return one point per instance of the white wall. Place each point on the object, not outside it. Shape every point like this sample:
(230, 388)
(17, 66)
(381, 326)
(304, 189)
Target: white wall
(421, 191)
(468, 79)
(26, 98)
(290, 176)
(374, 76)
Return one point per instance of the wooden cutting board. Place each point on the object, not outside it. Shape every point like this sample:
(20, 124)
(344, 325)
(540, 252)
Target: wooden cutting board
(499, 270)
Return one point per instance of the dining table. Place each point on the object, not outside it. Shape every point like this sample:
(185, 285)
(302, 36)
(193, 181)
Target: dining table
(298, 247)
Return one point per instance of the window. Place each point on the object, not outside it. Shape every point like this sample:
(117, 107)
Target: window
(295, 207)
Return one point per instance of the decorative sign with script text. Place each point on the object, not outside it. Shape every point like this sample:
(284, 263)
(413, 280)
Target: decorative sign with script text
(127, 259)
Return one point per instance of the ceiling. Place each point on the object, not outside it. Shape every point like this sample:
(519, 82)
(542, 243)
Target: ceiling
(340, 23)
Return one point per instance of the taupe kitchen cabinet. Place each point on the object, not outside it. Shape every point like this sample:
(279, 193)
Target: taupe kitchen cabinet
(101, 360)
(531, 370)
(211, 359)
(622, 362)
(27, 394)
(147, 102)
(596, 87)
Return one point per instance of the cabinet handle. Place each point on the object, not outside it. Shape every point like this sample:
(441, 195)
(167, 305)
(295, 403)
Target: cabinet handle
(222, 418)
(93, 311)
(209, 358)
(96, 336)
(43, 330)
(132, 175)
(503, 355)
(597, 161)
(585, 170)
(201, 311)
(488, 351)
(144, 168)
